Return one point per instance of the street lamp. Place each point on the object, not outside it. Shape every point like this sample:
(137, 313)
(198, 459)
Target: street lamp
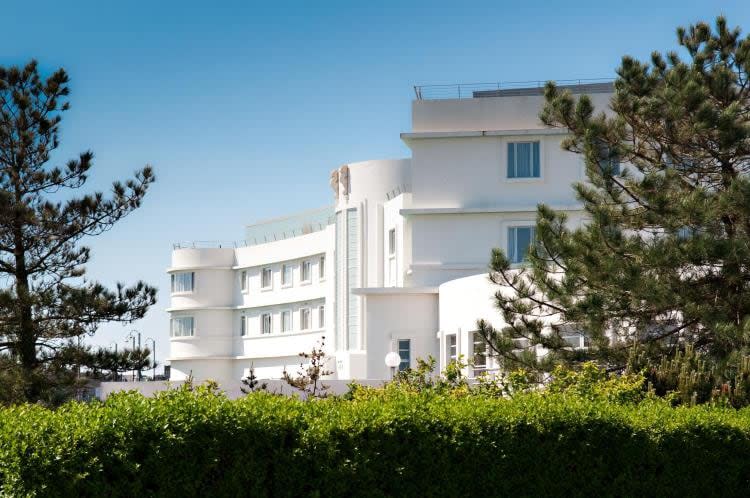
(132, 335)
(117, 359)
(392, 360)
(153, 357)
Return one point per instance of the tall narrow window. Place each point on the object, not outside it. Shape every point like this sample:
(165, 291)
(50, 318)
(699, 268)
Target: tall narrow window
(306, 271)
(286, 275)
(450, 347)
(519, 241)
(479, 354)
(392, 280)
(243, 325)
(322, 268)
(321, 316)
(183, 282)
(265, 323)
(404, 351)
(523, 160)
(182, 326)
(266, 278)
(286, 321)
(304, 318)
(243, 281)
(609, 162)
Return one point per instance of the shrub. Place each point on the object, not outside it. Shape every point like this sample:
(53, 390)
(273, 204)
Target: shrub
(198, 443)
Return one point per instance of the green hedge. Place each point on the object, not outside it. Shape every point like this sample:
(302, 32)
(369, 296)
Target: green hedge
(198, 444)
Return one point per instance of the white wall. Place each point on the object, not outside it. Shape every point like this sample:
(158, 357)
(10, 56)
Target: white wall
(472, 172)
(390, 317)
(488, 113)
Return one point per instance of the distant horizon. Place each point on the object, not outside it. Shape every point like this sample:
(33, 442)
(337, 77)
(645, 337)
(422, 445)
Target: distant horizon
(244, 109)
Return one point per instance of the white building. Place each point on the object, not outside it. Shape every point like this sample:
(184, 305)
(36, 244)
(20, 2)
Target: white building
(398, 263)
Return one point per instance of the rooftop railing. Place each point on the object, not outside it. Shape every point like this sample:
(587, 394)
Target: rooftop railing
(273, 230)
(507, 88)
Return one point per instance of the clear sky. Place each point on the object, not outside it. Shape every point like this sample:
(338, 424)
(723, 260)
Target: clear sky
(243, 108)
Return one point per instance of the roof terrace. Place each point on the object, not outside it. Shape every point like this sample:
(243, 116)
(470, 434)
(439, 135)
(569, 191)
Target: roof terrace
(508, 89)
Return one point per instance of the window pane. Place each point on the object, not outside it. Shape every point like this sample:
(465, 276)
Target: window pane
(306, 271)
(392, 241)
(266, 278)
(451, 348)
(519, 240)
(404, 351)
(243, 325)
(182, 326)
(511, 160)
(304, 318)
(265, 323)
(286, 275)
(286, 321)
(322, 268)
(479, 352)
(523, 159)
(321, 317)
(182, 282)
(243, 280)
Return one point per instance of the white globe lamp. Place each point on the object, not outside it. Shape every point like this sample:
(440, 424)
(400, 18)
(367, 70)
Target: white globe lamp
(392, 360)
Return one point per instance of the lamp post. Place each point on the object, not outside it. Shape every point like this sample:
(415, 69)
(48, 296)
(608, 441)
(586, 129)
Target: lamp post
(117, 370)
(153, 357)
(132, 335)
(392, 360)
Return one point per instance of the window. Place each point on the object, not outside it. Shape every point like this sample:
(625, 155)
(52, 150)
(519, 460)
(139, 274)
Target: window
(265, 323)
(609, 161)
(286, 321)
(286, 275)
(304, 318)
(575, 338)
(450, 348)
(243, 281)
(183, 282)
(306, 271)
(182, 326)
(392, 280)
(479, 354)
(243, 325)
(322, 268)
(266, 278)
(321, 316)
(523, 160)
(519, 241)
(404, 351)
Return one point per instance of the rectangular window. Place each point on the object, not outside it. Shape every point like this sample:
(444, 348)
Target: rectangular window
(322, 268)
(306, 271)
(609, 162)
(392, 280)
(286, 321)
(523, 160)
(404, 351)
(183, 282)
(450, 347)
(519, 241)
(479, 354)
(321, 316)
(243, 281)
(182, 326)
(243, 325)
(304, 318)
(266, 278)
(265, 323)
(286, 275)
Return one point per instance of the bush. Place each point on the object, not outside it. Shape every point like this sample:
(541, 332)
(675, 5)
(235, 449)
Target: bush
(198, 443)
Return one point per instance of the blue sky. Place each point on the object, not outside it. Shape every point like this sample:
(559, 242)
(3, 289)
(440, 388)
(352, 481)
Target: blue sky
(244, 107)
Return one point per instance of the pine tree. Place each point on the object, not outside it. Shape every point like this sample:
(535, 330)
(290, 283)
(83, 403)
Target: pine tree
(46, 299)
(663, 259)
